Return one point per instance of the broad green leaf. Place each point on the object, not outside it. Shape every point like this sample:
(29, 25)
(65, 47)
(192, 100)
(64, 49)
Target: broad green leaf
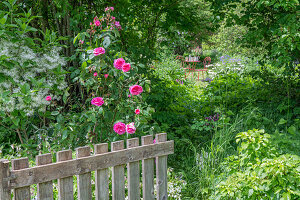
(16, 121)
(106, 42)
(76, 38)
(64, 134)
(282, 121)
(292, 130)
(55, 113)
(84, 65)
(3, 20)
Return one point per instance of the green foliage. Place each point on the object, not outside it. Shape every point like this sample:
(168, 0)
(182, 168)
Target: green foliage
(30, 70)
(228, 40)
(264, 175)
(254, 147)
(273, 24)
(119, 103)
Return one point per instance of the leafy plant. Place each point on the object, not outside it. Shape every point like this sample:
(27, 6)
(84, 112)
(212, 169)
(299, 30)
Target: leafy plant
(28, 74)
(258, 172)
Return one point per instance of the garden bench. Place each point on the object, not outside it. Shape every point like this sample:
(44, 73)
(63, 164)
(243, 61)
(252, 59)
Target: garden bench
(21, 176)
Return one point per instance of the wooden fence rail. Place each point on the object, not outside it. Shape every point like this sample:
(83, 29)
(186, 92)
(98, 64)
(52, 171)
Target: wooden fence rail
(20, 177)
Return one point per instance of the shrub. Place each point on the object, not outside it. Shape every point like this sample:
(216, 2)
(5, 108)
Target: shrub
(112, 87)
(258, 172)
(30, 71)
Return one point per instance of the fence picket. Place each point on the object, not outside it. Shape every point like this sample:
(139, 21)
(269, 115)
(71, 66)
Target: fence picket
(133, 171)
(44, 190)
(148, 172)
(4, 173)
(102, 175)
(22, 193)
(65, 185)
(118, 182)
(161, 171)
(21, 177)
(84, 180)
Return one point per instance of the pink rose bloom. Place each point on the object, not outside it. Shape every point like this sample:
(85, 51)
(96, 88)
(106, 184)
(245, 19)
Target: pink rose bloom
(97, 23)
(97, 101)
(136, 90)
(126, 67)
(113, 18)
(118, 63)
(105, 75)
(120, 128)
(137, 111)
(109, 8)
(48, 98)
(91, 23)
(95, 74)
(99, 51)
(130, 128)
(129, 96)
(154, 141)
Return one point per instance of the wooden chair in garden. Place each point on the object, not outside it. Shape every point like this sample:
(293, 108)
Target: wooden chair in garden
(21, 176)
(206, 62)
(186, 65)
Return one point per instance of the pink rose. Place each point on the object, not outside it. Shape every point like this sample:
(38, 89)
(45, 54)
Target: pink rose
(95, 74)
(105, 75)
(48, 98)
(118, 63)
(97, 23)
(137, 111)
(97, 101)
(136, 90)
(126, 67)
(120, 128)
(113, 18)
(154, 141)
(129, 96)
(109, 8)
(130, 128)
(91, 24)
(99, 51)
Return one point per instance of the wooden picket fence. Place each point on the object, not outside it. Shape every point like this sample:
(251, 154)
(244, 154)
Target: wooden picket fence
(20, 177)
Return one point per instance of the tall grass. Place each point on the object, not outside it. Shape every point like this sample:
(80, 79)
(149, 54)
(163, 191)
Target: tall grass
(208, 157)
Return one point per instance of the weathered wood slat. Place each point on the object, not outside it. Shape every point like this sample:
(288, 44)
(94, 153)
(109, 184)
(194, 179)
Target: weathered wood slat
(22, 193)
(161, 171)
(148, 172)
(44, 190)
(84, 180)
(118, 181)
(102, 175)
(133, 172)
(65, 185)
(38, 174)
(5, 193)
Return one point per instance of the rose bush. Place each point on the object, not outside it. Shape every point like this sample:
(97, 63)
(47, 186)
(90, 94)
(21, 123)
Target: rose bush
(108, 77)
